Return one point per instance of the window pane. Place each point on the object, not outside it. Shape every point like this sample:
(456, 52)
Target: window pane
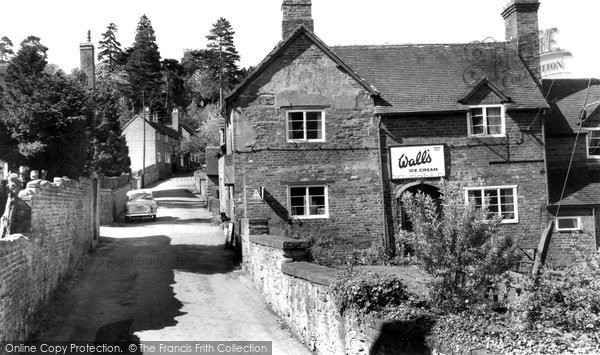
(567, 223)
(297, 191)
(316, 190)
(477, 111)
(494, 124)
(494, 111)
(475, 195)
(296, 125)
(313, 125)
(594, 143)
(298, 211)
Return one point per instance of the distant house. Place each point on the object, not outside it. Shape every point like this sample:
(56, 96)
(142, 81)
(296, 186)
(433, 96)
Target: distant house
(152, 147)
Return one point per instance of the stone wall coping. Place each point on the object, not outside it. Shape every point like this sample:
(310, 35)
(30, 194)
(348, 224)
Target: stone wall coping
(318, 274)
(278, 242)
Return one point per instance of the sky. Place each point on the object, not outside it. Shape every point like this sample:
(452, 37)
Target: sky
(183, 24)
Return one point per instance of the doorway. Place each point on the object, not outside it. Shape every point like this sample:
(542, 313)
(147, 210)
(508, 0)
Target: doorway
(402, 221)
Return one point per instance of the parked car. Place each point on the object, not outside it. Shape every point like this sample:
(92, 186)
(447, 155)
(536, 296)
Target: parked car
(140, 203)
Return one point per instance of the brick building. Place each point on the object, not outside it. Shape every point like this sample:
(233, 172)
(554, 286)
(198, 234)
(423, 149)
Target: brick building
(573, 155)
(325, 140)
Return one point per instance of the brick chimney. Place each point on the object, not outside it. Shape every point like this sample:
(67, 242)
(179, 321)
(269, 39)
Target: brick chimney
(295, 13)
(521, 23)
(175, 120)
(87, 60)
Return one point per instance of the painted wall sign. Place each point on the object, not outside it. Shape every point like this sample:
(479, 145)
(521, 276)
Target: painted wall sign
(417, 161)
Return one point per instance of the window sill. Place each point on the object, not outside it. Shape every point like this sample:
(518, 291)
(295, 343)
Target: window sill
(307, 141)
(322, 216)
(511, 221)
(488, 136)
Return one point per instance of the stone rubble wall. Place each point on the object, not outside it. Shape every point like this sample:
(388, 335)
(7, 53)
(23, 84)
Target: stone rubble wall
(54, 231)
(299, 293)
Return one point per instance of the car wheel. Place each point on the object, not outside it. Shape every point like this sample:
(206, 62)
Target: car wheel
(154, 218)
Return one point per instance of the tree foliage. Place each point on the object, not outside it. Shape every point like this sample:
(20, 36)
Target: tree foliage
(208, 134)
(110, 50)
(6, 49)
(144, 68)
(47, 113)
(109, 154)
(459, 245)
(174, 85)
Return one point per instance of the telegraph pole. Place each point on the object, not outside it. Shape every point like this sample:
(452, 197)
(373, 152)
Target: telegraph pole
(144, 140)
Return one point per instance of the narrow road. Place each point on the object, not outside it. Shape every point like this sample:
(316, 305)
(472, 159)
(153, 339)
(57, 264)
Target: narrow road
(166, 280)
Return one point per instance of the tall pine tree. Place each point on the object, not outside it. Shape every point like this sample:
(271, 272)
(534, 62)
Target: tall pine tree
(144, 69)
(224, 55)
(110, 48)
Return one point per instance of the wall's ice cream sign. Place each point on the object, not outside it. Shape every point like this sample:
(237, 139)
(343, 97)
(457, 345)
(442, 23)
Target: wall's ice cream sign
(552, 58)
(409, 162)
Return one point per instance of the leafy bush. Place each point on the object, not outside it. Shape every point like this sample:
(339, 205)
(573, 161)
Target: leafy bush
(368, 292)
(569, 302)
(458, 245)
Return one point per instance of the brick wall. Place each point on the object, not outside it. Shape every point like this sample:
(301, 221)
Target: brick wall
(53, 233)
(517, 159)
(347, 162)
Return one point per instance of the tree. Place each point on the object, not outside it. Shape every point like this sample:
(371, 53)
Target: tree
(6, 50)
(109, 154)
(174, 89)
(143, 67)
(225, 56)
(201, 76)
(47, 113)
(109, 48)
(208, 119)
(459, 245)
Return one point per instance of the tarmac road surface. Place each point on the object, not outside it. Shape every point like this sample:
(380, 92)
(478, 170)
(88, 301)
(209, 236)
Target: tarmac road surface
(166, 280)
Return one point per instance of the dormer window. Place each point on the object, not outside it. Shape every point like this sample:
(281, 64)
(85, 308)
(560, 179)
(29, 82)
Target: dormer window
(486, 121)
(306, 126)
(593, 143)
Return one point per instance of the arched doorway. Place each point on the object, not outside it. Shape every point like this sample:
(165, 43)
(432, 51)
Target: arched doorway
(402, 222)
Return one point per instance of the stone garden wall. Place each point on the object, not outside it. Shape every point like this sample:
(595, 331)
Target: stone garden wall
(299, 293)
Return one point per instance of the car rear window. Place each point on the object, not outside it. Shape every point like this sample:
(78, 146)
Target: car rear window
(140, 196)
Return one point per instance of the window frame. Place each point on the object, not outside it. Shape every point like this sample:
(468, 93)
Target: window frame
(485, 120)
(587, 142)
(567, 230)
(498, 188)
(306, 202)
(305, 140)
(158, 157)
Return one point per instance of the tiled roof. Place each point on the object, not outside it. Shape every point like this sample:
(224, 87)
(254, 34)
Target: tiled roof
(583, 187)
(158, 127)
(434, 77)
(587, 195)
(187, 128)
(567, 98)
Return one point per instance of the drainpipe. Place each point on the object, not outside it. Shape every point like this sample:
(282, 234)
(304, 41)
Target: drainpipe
(387, 239)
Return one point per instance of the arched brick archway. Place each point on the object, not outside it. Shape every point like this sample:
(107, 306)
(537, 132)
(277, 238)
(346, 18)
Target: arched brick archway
(401, 220)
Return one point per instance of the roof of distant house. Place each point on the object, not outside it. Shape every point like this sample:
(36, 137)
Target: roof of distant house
(188, 128)
(434, 77)
(157, 126)
(568, 97)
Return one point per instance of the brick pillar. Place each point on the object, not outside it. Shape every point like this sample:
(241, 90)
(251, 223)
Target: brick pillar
(295, 13)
